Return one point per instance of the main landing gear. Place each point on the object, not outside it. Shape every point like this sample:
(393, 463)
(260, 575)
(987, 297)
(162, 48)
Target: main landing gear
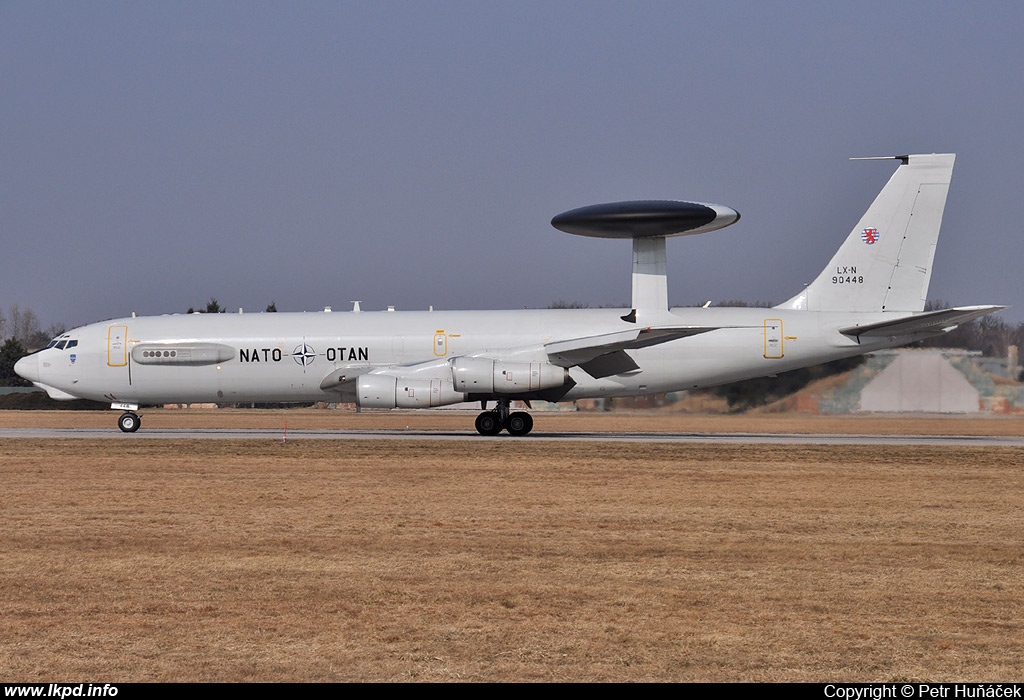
(517, 423)
(129, 422)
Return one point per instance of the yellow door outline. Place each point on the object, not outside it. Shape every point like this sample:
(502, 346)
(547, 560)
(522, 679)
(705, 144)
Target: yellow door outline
(773, 343)
(440, 344)
(117, 346)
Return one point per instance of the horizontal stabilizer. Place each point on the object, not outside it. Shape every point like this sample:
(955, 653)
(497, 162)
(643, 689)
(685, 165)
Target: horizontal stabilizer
(928, 323)
(578, 351)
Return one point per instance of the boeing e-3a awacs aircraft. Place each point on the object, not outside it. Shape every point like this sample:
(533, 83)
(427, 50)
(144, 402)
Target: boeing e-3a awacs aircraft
(870, 296)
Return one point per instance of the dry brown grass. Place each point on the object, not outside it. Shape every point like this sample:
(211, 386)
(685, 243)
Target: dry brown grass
(493, 560)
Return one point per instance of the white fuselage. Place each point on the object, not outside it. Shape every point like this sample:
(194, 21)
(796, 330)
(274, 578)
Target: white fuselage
(286, 357)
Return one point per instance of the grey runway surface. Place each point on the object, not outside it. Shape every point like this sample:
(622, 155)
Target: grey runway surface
(718, 438)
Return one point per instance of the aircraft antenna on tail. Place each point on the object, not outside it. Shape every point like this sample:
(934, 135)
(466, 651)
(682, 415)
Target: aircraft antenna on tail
(902, 159)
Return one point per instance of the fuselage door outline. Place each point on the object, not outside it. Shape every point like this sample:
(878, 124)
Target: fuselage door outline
(117, 346)
(773, 345)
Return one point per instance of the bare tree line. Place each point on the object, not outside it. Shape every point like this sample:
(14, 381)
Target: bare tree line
(23, 326)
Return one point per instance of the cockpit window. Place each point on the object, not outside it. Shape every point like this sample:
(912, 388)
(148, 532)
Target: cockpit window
(62, 343)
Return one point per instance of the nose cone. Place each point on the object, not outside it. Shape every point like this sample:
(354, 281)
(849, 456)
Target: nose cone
(28, 367)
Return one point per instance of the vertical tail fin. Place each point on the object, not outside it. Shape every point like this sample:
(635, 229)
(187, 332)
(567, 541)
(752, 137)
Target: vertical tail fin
(885, 263)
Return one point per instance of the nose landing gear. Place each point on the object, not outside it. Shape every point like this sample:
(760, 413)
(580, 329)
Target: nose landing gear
(517, 423)
(129, 422)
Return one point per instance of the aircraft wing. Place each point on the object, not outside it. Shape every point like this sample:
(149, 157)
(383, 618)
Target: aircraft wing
(928, 323)
(604, 355)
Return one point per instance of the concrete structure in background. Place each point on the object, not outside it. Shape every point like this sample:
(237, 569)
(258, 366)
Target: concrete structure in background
(920, 382)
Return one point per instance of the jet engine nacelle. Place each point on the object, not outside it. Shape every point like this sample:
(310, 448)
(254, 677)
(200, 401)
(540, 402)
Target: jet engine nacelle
(385, 391)
(480, 375)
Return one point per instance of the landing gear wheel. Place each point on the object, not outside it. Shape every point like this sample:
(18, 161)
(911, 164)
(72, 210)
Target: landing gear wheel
(488, 423)
(519, 423)
(129, 422)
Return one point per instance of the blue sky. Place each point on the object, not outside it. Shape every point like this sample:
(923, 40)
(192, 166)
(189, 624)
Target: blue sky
(155, 155)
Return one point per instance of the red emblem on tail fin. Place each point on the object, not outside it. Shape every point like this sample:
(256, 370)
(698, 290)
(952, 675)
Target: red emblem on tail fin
(869, 236)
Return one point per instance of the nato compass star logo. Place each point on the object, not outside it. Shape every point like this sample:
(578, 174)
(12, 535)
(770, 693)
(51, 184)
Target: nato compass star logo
(870, 236)
(303, 355)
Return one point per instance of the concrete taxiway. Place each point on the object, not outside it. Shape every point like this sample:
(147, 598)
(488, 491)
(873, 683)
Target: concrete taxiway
(718, 438)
